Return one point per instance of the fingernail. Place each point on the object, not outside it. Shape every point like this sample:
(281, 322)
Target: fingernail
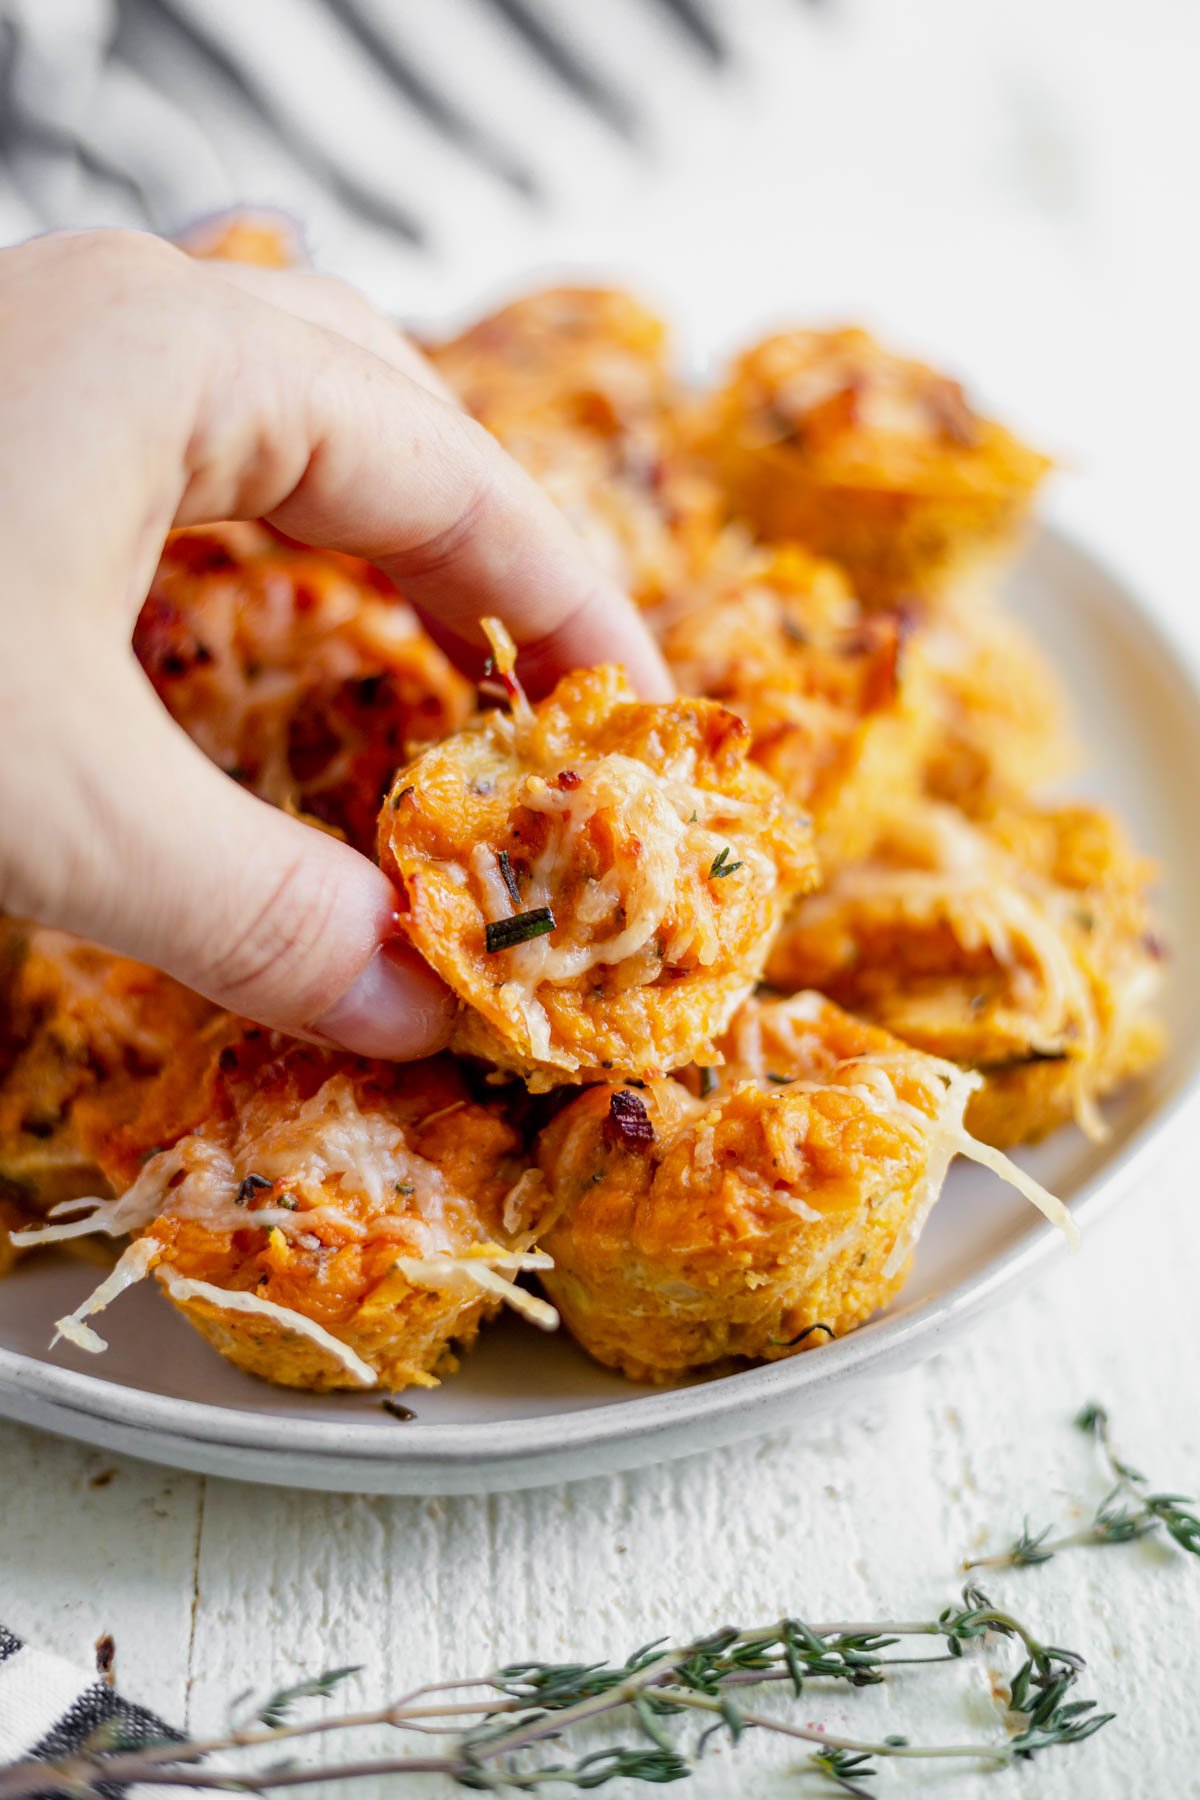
(396, 1009)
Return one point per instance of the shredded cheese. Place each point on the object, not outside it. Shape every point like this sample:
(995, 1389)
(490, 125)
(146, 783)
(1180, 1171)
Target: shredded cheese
(133, 1266)
(936, 1129)
(182, 1288)
(480, 1266)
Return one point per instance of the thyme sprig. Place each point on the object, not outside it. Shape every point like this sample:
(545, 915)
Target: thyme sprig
(1128, 1510)
(509, 1730)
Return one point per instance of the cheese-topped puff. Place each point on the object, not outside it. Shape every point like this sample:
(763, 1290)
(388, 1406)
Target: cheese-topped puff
(597, 879)
(328, 1222)
(779, 1210)
(1026, 950)
(869, 458)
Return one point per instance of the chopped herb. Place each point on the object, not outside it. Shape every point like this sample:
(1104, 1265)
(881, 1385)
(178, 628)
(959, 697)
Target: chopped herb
(253, 1184)
(489, 667)
(708, 1081)
(399, 799)
(790, 1343)
(502, 934)
(398, 1410)
(694, 818)
(722, 865)
(779, 1080)
(405, 1188)
(628, 1122)
(510, 880)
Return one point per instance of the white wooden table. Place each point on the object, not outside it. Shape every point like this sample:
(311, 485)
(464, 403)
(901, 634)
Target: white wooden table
(209, 1587)
(1007, 186)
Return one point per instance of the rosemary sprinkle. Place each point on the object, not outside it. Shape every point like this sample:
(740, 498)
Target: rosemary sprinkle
(502, 934)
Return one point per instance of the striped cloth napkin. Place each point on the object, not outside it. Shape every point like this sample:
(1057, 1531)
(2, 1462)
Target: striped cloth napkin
(49, 1707)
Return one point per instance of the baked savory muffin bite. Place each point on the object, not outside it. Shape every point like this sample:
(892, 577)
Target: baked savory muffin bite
(999, 728)
(839, 712)
(327, 1222)
(871, 459)
(597, 879)
(1026, 951)
(577, 358)
(300, 672)
(83, 1034)
(576, 383)
(779, 1210)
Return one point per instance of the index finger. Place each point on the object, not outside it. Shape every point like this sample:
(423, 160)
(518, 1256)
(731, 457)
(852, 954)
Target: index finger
(401, 476)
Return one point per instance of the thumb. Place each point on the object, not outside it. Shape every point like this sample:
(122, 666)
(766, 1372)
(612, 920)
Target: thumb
(133, 838)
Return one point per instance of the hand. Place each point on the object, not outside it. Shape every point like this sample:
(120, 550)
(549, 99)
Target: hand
(141, 390)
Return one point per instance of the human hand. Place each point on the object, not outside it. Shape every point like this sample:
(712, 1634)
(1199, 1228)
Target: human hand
(141, 390)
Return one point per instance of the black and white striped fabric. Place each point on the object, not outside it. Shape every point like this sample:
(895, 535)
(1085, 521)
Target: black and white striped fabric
(397, 132)
(48, 1708)
(154, 112)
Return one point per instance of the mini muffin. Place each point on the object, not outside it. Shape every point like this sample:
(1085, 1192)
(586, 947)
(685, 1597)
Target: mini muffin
(268, 240)
(1025, 950)
(576, 383)
(597, 879)
(839, 714)
(871, 459)
(999, 726)
(329, 1222)
(781, 1210)
(585, 359)
(83, 1035)
(300, 672)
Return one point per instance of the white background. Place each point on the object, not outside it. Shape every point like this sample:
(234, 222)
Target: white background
(1011, 188)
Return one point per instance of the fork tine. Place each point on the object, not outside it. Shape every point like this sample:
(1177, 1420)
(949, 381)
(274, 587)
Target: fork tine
(606, 101)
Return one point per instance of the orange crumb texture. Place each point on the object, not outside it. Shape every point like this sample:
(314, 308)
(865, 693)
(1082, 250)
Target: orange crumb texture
(84, 1036)
(846, 799)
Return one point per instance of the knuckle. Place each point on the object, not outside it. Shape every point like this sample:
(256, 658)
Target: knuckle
(277, 961)
(444, 548)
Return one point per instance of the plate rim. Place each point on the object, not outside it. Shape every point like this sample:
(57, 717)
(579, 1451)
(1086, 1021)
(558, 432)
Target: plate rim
(81, 1405)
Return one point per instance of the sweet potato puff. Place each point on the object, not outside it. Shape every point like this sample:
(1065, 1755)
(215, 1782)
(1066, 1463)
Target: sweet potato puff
(1025, 949)
(736, 1227)
(869, 458)
(649, 861)
(358, 1197)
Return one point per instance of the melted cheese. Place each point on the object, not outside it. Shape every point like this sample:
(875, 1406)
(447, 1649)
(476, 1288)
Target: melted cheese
(671, 824)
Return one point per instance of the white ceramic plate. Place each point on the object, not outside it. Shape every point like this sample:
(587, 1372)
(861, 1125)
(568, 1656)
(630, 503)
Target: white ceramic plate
(527, 1409)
